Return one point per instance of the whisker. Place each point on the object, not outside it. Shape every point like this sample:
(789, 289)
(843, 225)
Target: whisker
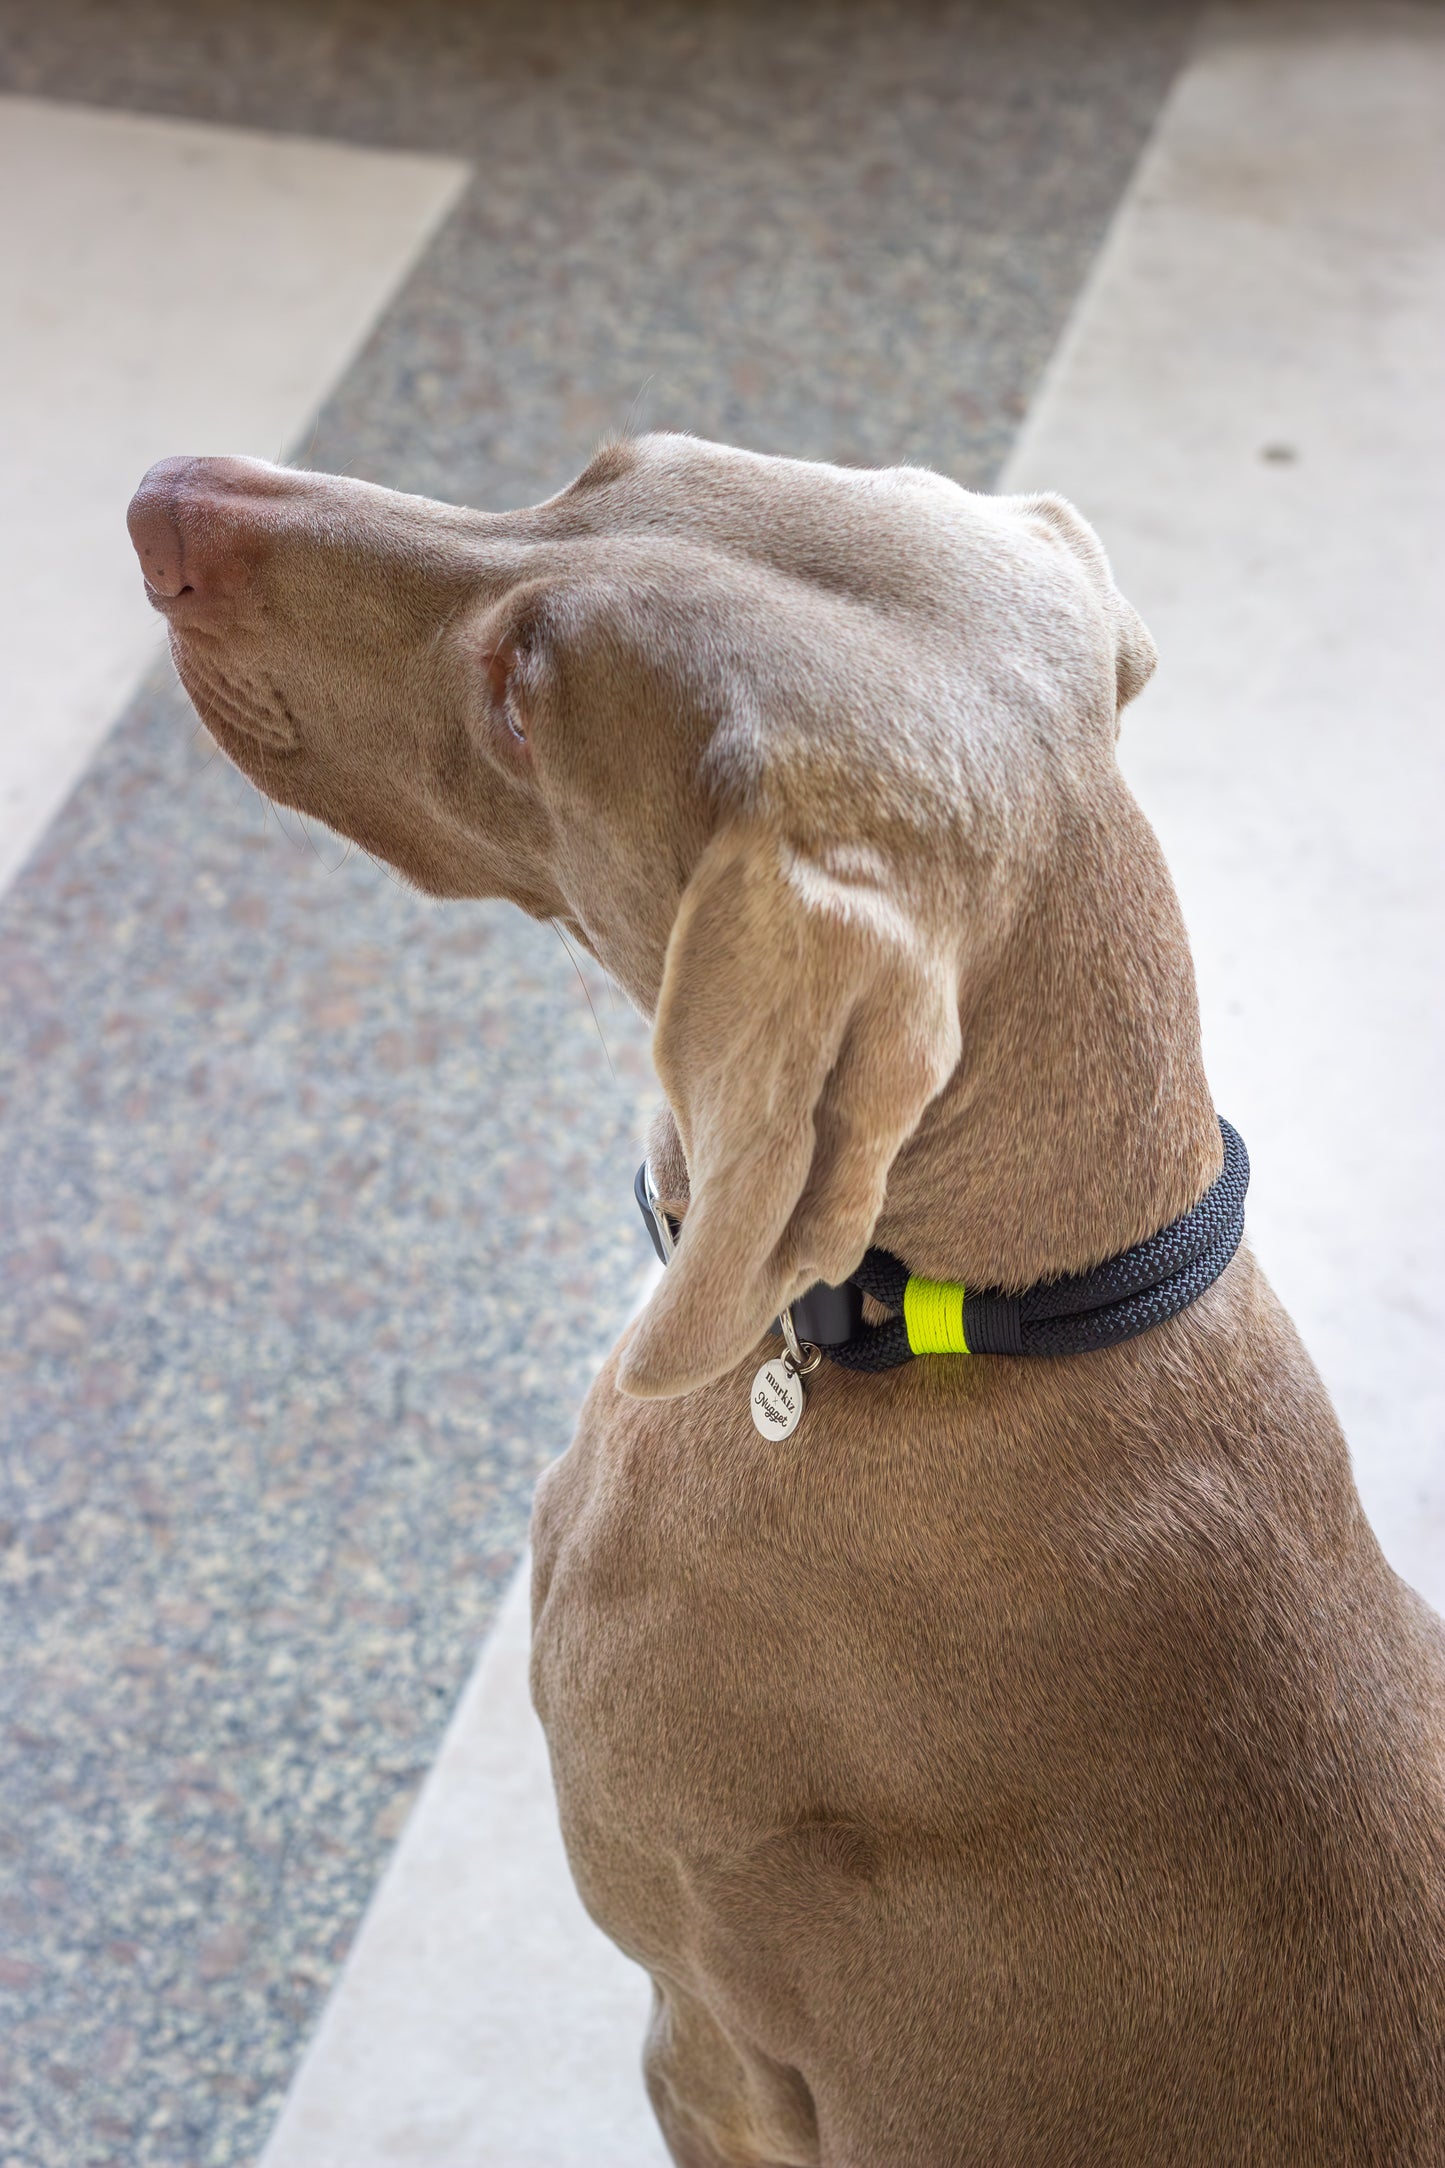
(341, 861)
(303, 465)
(445, 626)
(641, 393)
(586, 992)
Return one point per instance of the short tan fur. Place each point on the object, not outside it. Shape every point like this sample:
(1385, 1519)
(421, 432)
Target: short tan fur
(1030, 1764)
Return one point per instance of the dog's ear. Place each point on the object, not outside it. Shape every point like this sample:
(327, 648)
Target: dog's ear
(805, 1022)
(1135, 654)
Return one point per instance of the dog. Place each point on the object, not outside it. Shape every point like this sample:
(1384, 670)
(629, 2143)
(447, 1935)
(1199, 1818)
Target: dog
(1025, 1764)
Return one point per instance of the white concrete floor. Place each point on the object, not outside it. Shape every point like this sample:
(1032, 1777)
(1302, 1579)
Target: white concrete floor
(168, 287)
(1245, 406)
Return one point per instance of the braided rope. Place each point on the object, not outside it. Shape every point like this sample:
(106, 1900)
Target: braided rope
(874, 1347)
(1149, 1263)
(1081, 1311)
(1083, 1331)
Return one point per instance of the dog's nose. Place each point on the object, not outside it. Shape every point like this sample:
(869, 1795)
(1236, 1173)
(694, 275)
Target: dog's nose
(188, 522)
(157, 539)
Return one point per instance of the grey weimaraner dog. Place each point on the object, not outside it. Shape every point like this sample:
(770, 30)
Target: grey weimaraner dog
(1027, 1762)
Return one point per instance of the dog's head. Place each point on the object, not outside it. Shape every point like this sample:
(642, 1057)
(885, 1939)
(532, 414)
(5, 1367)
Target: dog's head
(783, 744)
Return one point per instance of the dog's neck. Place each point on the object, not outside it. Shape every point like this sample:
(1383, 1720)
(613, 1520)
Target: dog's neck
(1079, 1120)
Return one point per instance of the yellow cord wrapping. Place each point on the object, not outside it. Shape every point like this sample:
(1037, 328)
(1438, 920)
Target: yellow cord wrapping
(933, 1317)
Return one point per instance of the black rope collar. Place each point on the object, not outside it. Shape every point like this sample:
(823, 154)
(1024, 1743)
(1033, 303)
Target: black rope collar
(1070, 1316)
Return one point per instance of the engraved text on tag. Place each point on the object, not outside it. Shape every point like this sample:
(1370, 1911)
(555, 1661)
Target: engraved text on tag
(777, 1402)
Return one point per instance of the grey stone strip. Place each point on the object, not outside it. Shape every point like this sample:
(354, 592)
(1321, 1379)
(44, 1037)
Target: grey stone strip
(841, 230)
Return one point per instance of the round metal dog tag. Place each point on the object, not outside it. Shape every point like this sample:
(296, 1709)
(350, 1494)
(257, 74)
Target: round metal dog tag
(777, 1399)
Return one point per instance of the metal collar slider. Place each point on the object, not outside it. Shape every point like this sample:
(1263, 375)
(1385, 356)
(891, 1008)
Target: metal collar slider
(828, 1316)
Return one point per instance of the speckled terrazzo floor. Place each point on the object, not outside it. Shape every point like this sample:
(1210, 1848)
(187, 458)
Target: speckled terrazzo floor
(848, 230)
(294, 1167)
(303, 1178)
